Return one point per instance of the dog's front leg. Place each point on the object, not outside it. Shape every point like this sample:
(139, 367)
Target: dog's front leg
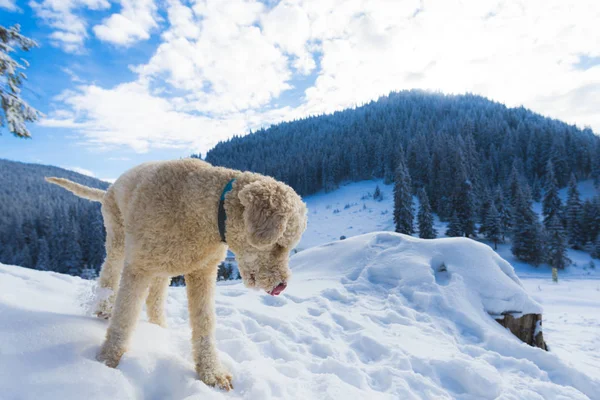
(128, 306)
(201, 303)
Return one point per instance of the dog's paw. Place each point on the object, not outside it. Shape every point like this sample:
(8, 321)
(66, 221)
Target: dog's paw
(109, 356)
(102, 315)
(220, 378)
(104, 309)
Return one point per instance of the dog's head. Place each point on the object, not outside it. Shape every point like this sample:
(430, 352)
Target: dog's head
(273, 220)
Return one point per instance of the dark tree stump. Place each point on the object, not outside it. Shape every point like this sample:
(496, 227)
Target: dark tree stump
(524, 327)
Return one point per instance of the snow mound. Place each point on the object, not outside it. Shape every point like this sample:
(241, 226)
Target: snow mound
(375, 316)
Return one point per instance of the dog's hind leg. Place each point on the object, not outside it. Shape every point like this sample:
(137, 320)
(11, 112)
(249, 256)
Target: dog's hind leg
(155, 303)
(128, 306)
(200, 287)
(112, 267)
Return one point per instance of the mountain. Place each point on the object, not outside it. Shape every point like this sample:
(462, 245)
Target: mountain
(445, 140)
(374, 316)
(45, 227)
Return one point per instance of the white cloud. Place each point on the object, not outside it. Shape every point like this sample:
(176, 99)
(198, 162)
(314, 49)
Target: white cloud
(135, 22)
(222, 66)
(288, 26)
(80, 170)
(10, 5)
(227, 64)
(70, 29)
(129, 115)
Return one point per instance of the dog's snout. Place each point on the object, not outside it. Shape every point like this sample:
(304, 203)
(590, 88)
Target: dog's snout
(278, 289)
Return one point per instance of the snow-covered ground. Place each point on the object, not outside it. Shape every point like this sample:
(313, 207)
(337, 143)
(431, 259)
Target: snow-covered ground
(369, 317)
(351, 210)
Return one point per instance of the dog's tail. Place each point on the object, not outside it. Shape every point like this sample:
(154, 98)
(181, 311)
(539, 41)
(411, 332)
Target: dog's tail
(80, 190)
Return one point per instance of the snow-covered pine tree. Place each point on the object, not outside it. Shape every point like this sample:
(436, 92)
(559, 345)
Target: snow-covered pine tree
(485, 202)
(536, 190)
(552, 206)
(464, 204)
(14, 111)
(556, 245)
(574, 212)
(73, 263)
(527, 231)
(597, 248)
(43, 257)
(588, 222)
(377, 195)
(514, 185)
(425, 217)
(503, 212)
(403, 207)
(493, 226)
(596, 166)
(454, 227)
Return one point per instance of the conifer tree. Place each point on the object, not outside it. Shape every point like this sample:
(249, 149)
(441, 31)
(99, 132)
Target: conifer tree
(14, 111)
(527, 231)
(596, 252)
(425, 217)
(485, 204)
(454, 227)
(551, 204)
(574, 212)
(503, 212)
(403, 207)
(556, 253)
(43, 258)
(536, 190)
(596, 166)
(514, 185)
(493, 226)
(466, 210)
(377, 195)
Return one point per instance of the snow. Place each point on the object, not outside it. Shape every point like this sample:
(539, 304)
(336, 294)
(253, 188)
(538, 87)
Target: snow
(381, 316)
(329, 219)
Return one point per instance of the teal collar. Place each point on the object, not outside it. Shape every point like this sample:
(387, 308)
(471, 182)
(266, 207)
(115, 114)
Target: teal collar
(222, 216)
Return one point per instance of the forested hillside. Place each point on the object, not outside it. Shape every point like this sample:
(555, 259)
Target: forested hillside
(43, 226)
(445, 139)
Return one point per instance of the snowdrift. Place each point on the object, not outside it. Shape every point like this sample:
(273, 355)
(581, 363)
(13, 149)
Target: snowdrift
(375, 316)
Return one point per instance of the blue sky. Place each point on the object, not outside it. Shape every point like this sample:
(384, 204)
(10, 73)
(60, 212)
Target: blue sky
(128, 81)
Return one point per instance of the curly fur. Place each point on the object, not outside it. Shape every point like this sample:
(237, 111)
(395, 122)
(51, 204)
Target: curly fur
(161, 221)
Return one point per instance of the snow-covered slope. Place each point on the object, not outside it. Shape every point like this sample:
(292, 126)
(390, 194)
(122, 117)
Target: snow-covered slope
(350, 210)
(369, 317)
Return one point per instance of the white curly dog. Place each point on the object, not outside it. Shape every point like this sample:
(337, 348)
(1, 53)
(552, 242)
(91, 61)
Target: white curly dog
(172, 218)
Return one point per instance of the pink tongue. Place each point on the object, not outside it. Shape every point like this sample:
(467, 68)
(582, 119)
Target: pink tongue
(278, 289)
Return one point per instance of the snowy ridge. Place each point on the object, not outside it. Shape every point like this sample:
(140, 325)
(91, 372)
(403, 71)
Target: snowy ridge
(369, 317)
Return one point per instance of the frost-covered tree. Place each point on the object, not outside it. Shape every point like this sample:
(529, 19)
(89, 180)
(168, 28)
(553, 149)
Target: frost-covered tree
(536, 190)
(43, 258)
(15, 111)
(485, 202)
(465, 208)
(493, 226)
(377, 195)
(403, 207)
(556, 245)
(503, 212)
(454, 227)
(527, 238)
(596, 252)
(551, 205)
(596, 165)
(425, 217)
(574, 213)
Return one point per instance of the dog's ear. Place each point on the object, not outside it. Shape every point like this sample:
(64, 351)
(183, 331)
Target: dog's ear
(267, 208)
